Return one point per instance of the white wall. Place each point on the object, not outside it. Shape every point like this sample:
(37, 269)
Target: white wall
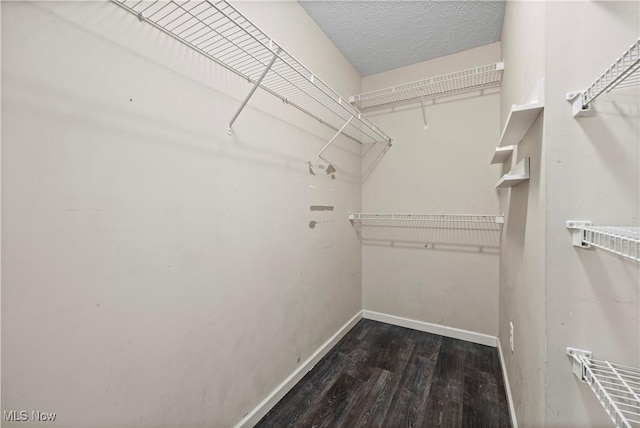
(593, 173)
(522, 256)
(441, 170)
(581, 169)
(157, 272)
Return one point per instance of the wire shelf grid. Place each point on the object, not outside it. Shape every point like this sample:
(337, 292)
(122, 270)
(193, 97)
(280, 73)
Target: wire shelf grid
(624, 72)
(616, 386)
(443, 231)
(482, 77)
(624, 241)
(220, 32)
(448, 218)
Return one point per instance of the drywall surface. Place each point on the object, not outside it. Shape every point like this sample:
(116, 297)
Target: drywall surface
(441, 170)
(156, 271)
(593, 173)
(522, 263)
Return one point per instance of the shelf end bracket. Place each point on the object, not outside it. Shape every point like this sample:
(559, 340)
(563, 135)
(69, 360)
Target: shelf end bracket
(253, 89)
(577, 229)
(578, 108)
(577, 359)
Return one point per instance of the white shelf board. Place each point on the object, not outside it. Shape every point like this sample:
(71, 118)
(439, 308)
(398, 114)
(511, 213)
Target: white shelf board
(517, 175)
(501, 154)
(520, 119)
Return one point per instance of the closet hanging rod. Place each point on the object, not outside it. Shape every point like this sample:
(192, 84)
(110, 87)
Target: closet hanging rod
(624, 69)
(221, 33)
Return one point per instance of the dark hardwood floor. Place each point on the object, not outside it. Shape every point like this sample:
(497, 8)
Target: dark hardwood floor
(381, 375)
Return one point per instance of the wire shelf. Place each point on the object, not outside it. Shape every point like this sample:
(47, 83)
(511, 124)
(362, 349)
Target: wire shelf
(621, 240)
(447, 218)
(221, 33)
(624, 72)
(624, 241)
(616, 386)
(444, 231)
(485, 76)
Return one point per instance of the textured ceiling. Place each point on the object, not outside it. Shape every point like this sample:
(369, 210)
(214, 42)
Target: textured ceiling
(377, 36)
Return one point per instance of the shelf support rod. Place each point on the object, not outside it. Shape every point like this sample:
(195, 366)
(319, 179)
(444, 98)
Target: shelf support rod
(253, 89)
(335, 136)
(424, 114)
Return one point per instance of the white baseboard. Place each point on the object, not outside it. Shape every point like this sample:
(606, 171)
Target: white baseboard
(258, 412)
(456, 333)
(507, 388)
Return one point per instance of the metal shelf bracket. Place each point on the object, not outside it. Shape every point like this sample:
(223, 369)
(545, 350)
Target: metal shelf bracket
(424, 114)
(578, 363)
(577, 229)
(578, 109)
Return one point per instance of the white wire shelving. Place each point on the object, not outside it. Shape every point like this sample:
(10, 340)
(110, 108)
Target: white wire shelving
(616, 386)
(445, 231)
(218, 31)
(624, 72)
(446, 218)
(621, 240)
(486, 76)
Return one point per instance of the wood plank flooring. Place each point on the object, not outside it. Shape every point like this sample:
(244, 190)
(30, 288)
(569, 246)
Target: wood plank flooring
(380, 375)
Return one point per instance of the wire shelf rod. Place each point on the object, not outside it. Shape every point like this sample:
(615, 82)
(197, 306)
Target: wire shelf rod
(221, 33)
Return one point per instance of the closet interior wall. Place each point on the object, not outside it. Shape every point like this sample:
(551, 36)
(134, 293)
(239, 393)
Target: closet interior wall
(593, 173)
(587, 168)
(441, 170)
(156, 271)
(522, 254)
